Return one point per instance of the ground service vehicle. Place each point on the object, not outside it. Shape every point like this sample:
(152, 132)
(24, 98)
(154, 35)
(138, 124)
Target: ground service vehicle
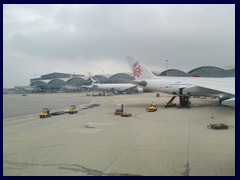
(125, 114)
(151, 107)
(72, 109)
(119, 109)
(45, 113)
(218, 126)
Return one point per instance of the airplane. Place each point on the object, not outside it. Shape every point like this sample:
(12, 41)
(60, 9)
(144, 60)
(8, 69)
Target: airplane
(222, 88)
(69, 87)
(115, 87)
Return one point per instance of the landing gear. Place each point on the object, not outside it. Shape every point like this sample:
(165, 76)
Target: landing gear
(220, 101)
(184, 101)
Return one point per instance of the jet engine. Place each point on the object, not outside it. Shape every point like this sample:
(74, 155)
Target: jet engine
(139, 89)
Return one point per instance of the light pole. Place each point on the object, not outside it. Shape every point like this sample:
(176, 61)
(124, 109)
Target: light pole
(73, 80)
(167, 66)
(35, 83)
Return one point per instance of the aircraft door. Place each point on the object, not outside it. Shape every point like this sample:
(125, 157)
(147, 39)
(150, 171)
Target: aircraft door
(181, 91)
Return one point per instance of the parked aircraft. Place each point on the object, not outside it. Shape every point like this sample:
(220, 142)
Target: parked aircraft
(119, 87)
(223, 88)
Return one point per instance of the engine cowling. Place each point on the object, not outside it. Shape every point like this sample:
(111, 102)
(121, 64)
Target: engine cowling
(139, 89)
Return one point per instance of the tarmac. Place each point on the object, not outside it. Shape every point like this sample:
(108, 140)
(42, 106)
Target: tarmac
(96, 142)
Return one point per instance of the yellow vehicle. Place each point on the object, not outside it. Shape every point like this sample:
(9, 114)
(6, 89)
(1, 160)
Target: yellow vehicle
(72, 109)
(45, 113)
(151, 107)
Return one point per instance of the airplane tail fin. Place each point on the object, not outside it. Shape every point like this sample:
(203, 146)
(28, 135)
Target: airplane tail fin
(140, 71)
(93, 79)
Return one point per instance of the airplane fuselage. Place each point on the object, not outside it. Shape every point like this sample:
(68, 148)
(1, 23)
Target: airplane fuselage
(165, 86)
(187, 86)
(117, 87)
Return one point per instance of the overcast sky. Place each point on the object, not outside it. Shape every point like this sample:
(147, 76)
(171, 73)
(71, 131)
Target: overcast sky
(41, 39)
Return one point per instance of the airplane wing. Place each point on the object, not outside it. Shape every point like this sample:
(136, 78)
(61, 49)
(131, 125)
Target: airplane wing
(224, 87)
(129, 89)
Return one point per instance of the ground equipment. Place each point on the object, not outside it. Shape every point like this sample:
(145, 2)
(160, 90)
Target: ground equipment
(151, 107)
(218, 126)
(72, 109)
(125, 114)
(45, 113)
(170, 103)
(119, 109)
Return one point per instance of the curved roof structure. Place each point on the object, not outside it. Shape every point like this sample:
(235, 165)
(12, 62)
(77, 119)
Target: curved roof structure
(75, 81)
(120, 78)
(206, 67)
(62, 79)
(203, 71)
(101, 78)
(39, 83)
(173, 72)
(208, 71)
(56, 83)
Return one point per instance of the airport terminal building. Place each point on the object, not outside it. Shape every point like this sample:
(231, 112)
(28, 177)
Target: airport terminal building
(56, 81)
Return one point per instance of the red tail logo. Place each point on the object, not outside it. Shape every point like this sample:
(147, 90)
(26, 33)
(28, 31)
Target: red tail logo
(137, 71)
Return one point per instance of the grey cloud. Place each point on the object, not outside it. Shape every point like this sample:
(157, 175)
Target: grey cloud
(187, 35)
